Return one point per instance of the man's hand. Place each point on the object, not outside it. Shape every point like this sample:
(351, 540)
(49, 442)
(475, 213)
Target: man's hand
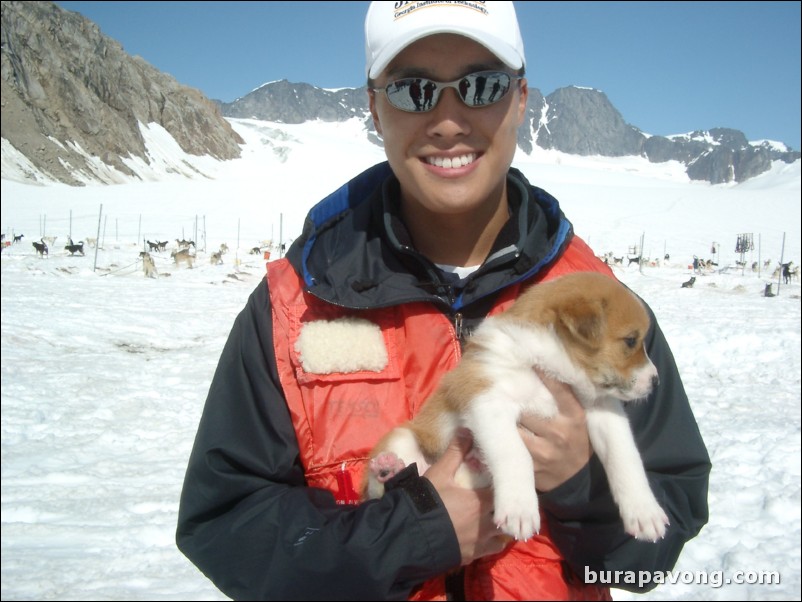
(560, 446)
(470, 510)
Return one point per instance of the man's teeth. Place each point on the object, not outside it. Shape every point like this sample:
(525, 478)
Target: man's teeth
(452, 162)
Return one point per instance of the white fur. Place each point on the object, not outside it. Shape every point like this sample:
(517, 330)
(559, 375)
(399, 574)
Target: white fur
(503, 354)
(344, 345)
(611, 437)
(509, 352)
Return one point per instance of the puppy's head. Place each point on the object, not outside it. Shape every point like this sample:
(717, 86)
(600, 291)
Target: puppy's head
(602, 326)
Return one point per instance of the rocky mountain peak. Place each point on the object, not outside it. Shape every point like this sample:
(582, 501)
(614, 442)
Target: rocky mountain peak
(71, 94)
(74, 103)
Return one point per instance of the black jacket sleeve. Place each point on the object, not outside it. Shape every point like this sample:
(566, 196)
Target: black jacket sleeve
(250, 523)
(583, 518)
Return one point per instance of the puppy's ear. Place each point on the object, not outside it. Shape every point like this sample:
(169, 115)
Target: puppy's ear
(582, 320)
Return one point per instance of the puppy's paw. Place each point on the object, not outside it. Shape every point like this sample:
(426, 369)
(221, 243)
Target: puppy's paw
(385, 466)
(646, 522)
(518, 516)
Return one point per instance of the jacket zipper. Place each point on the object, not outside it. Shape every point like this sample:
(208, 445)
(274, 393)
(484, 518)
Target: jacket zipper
(458, 326)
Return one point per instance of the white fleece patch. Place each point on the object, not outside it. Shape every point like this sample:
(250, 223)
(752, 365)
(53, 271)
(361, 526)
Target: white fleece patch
(341, 346)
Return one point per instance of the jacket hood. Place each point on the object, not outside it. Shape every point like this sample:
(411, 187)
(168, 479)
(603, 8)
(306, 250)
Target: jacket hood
(353, 251)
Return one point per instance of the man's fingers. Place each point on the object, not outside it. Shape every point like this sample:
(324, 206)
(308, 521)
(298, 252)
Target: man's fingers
(455, 453)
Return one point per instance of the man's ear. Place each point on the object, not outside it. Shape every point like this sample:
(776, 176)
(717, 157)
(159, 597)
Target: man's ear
(373, 112)
(523, 97)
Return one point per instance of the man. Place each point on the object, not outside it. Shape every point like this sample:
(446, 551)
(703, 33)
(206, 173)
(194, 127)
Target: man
(353, 330)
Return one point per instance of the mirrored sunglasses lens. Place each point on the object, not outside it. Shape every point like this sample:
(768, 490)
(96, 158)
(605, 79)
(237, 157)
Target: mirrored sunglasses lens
(418, 95)
(486, 88)
(415, 95)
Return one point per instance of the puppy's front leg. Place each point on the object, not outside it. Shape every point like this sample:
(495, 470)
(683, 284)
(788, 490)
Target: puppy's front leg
(612, 440)
(495, 428)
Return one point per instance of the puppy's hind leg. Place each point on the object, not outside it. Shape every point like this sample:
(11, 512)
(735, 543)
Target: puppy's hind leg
(399, 448)
(612, 440)
(385, 466)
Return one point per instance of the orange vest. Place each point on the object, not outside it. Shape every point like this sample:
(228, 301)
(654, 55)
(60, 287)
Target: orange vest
(339, 417)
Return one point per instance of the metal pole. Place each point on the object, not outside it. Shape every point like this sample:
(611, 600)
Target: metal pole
(97, 240)
(782, 256)
(759, 254)
(640, 261)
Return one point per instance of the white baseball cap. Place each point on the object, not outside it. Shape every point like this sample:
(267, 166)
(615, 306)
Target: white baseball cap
(392, 26)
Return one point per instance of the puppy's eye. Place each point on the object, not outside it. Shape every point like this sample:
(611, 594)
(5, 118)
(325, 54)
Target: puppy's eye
(631, 342)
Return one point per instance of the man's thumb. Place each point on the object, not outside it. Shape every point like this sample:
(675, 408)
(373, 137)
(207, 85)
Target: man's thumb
(458, 447)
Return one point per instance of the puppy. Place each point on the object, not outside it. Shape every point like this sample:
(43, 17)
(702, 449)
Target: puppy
(584, 329)
(689, 283)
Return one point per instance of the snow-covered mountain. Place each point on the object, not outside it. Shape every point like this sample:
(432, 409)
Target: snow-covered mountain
(76, 108)
(574, 120)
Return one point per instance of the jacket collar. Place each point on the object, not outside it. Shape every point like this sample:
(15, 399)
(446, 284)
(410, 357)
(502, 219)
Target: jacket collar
(356, 252)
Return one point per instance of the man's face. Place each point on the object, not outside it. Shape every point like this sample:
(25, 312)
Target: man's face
(483, 138)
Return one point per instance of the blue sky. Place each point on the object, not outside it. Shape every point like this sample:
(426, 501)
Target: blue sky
(668, 67)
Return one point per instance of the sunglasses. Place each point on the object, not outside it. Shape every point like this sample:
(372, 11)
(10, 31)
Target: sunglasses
(420, 94)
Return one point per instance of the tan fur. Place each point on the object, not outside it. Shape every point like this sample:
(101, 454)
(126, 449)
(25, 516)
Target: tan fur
(449, 400)
(599, 326)
(185, 256)
(591, 313)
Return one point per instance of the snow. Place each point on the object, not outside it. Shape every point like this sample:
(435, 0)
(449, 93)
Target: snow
(104, 371)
